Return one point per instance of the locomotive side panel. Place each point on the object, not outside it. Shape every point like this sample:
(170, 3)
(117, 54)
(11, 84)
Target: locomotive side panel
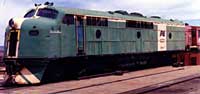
(118, 39)
(128, 40)
(93, 45)
(175, 38)
(68, 40)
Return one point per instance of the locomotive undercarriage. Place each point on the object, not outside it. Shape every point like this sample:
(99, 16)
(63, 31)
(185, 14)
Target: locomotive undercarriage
(34, 71)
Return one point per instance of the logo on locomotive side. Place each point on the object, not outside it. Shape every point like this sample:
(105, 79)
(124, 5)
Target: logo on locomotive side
(162, 43)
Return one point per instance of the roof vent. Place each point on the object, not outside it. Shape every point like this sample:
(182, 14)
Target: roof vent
(136, 14)
(172, 20)
(158, 17)
(110, 12)
(186, 24)
(48, 3)
(121, 12)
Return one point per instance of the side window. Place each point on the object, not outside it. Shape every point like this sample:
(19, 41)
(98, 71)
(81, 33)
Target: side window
(131, 24)
(142, 24)
(104, 22)
(97, 21)
(89, 20)
(139, 24)
(151, 26)
(68, 19)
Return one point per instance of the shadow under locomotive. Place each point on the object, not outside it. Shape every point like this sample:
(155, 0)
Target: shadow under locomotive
(58, 69)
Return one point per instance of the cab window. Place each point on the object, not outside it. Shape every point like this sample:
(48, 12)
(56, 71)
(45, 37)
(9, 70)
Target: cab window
(29, 14)
(47, 13)
(68, 19)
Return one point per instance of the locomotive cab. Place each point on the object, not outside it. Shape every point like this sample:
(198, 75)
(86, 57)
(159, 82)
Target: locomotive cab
(36, 27)
(30, 40)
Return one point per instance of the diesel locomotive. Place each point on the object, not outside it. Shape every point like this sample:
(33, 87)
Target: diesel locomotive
(55, 43)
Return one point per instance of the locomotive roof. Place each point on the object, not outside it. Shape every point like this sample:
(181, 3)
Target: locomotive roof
(116, 15)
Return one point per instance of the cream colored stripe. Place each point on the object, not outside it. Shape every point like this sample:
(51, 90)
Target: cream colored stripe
(1, 77)
(29, 76)
(17, 49)
(8, 49)
(18, 22)
(116, 20)
(20, 80)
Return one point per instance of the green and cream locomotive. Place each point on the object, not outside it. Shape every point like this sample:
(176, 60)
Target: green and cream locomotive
(54, 43)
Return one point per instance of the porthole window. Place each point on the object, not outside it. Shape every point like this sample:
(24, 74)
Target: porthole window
(170, 35)
(138, 35)
(98, 34)
(34, 33)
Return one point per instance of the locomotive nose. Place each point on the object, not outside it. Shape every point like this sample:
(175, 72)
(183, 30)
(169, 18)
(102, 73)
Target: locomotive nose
(35, 36)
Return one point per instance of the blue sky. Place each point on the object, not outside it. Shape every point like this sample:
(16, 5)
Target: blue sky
(185, 10)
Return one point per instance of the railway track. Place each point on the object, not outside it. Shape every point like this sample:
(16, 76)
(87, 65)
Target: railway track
(13, 88)
(116, 81)
(156, 87)
(83, 85)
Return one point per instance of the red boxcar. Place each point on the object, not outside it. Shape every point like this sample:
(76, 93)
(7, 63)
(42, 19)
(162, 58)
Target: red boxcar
(192, 37)
(192, 41)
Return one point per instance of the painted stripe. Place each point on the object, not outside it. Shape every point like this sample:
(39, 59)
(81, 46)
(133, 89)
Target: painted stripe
(1, 77)
(8, 47)
(17, 49)
(29, 76)
(176, 25)
(24, 78)
(20, 80)
(116, 20)
(18, 22)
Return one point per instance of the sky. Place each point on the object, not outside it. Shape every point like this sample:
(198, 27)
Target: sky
(184, 10)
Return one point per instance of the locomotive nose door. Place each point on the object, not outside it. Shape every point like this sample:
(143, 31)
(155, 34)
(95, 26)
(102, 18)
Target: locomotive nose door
(80, 35)
(13, 43)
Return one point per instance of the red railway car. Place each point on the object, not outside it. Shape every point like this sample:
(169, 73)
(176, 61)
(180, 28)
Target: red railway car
(192, 37)
(192, 41)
